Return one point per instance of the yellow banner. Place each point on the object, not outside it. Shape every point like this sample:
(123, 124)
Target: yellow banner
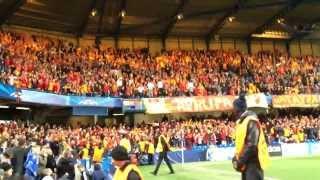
(302, 100)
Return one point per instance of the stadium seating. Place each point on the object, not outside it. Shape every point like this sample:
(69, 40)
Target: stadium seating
(56, 66)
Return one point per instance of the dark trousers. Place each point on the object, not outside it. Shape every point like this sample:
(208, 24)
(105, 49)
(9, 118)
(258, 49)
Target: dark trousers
(150, 159)
(163, 156)
(252, 172)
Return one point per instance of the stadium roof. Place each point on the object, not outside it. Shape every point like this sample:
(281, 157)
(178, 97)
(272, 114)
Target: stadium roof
(163, 18)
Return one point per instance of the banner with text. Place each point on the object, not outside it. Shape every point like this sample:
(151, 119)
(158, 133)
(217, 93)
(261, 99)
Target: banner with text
(7, 92)
(63, 100)
(133, 105)
(33, 96)
(275, 150)
(188, 104)
(301, 100)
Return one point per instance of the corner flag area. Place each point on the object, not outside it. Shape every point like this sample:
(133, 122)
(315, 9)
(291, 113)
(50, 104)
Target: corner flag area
(306, 168)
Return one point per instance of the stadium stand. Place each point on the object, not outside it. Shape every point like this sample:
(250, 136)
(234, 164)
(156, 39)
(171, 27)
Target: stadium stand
(57, 66)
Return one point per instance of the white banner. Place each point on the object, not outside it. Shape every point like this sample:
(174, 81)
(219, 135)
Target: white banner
(293, 150)
(220, 154)
(257, 100)
(315, 148)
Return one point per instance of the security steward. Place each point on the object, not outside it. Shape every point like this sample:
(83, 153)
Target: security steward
(125, 142)
(147, 147)
(251, 155)
(163, 148)
(125, 169)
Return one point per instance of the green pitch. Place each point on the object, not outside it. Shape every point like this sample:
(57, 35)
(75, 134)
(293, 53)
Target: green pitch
(307, 168)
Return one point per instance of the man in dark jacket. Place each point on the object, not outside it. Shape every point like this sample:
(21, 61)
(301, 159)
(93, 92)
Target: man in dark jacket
(251, 157)
(65, 167)
(98, 174)
(18, 158)
(163, 148)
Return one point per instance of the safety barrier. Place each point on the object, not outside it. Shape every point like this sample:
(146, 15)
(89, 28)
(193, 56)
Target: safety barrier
(309, 148)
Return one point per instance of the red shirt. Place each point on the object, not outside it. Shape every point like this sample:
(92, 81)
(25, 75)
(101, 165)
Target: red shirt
(7, 62)
(106, 88)
(182, 86)
(198, 91)
(30, 67)
(40, 83)
(56, 87)
(223, 135)
(24, 82)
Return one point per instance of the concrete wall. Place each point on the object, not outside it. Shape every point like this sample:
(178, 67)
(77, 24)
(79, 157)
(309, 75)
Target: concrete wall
(108, 42)
(174, 43)
(305, 47)
(280, 45)
(86, 41)
(155, 45)
(141, 117)
(74, 121)
(316, 47)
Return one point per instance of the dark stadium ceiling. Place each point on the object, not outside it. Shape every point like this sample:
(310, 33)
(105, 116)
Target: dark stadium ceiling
(199, 18)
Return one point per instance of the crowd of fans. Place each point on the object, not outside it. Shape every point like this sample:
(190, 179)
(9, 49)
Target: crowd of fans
(46, 64)
(52, 65)
(41, 150)
(294, 129)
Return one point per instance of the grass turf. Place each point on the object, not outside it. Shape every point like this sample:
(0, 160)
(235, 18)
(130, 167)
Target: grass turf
(307, 168)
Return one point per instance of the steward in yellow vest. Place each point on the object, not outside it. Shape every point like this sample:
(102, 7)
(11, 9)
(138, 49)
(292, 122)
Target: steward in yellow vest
(85, 152)
(251, 154)
(125, 142)
(147, 147)
(125, 170)
(98, 154)
(163, 147)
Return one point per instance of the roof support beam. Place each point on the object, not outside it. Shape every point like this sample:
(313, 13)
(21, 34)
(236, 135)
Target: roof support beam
(100, 21)
(120, 18)
(173, 19)
(219, 24)
(208, 12)
(11, 10)
(248, 43)
(288, 48)
(80, 30)
(288, 7)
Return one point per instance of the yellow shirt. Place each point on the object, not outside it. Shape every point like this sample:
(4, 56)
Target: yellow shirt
(84, 89)
(296, 138)
(126, 144)
(301, 136)
(85, 153)
(142, 145)
(97, 154)
(286, 132)
(252, 89)
(50, 88)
